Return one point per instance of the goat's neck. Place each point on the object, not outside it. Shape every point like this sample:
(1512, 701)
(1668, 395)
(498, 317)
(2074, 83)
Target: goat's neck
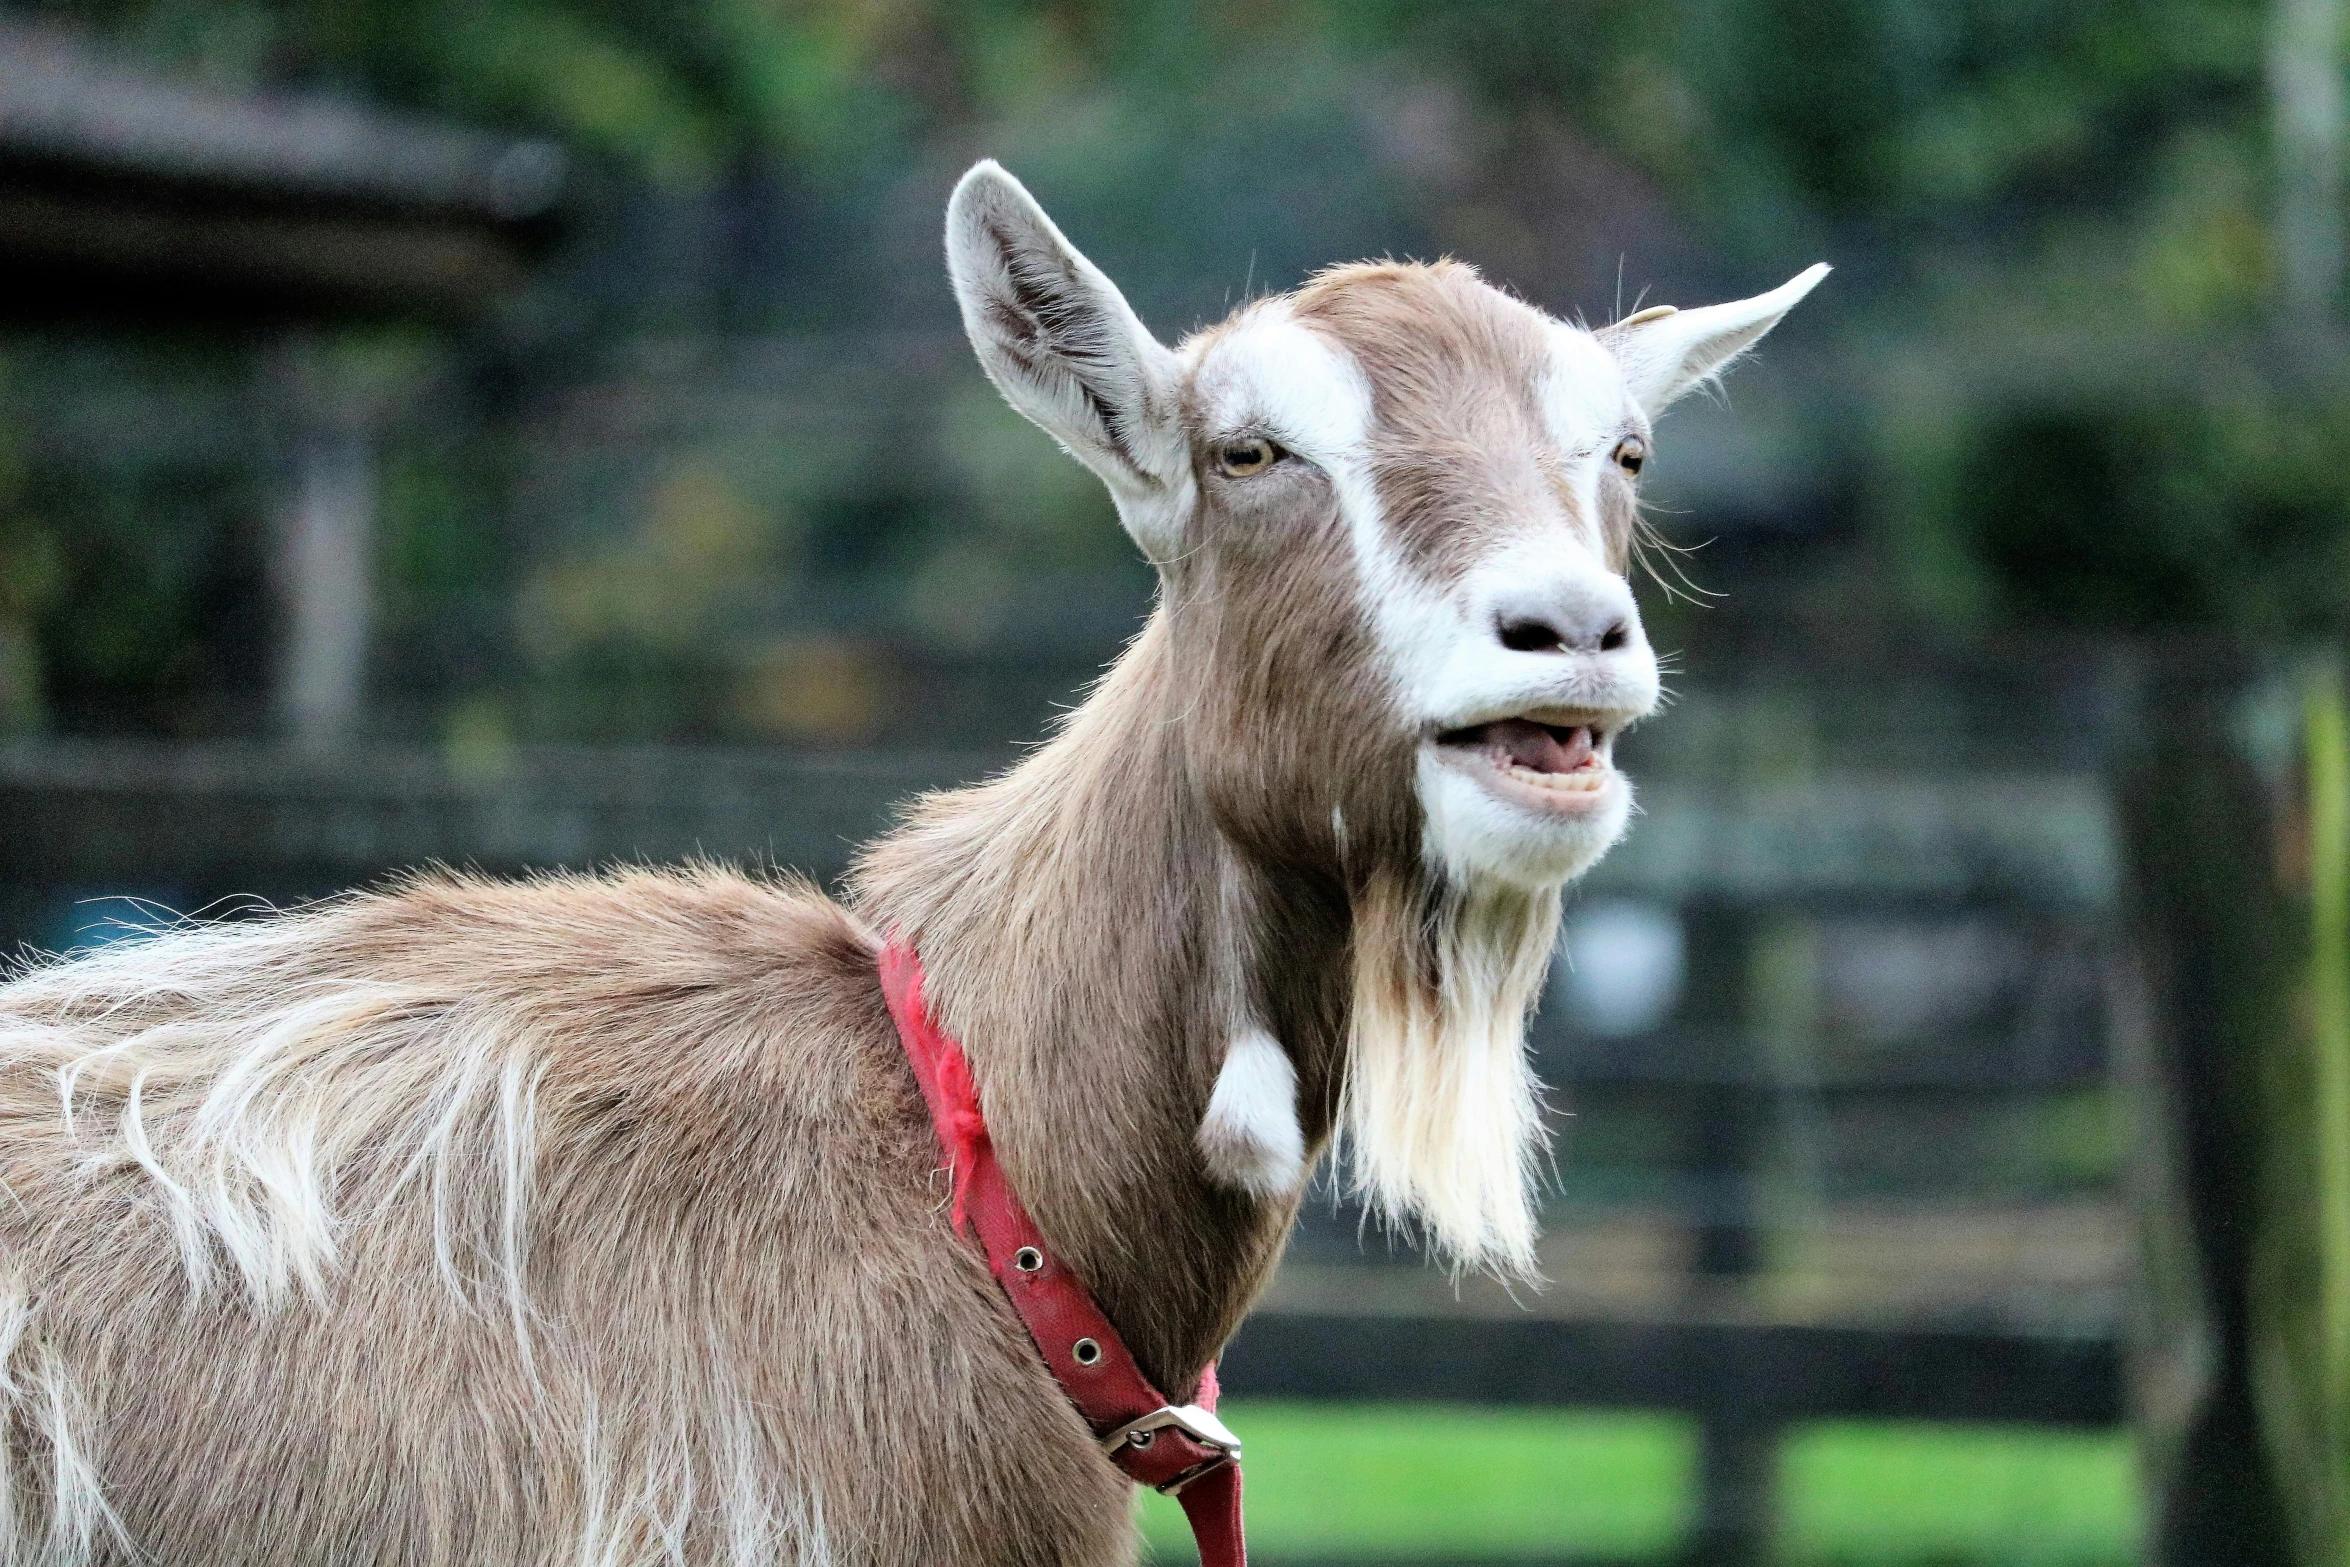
(1095, 943)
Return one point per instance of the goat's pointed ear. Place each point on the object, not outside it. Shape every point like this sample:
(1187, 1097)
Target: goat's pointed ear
(1665, 352)
(1065, 348)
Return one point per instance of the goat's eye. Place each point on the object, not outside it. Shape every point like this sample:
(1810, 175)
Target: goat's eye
(1239, 459)
(1631, 452)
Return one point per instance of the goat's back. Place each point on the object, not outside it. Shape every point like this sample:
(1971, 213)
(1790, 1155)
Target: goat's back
(580, 1219)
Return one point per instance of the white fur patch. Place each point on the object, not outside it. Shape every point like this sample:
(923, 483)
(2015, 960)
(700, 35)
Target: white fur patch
(645, 1500)
(52, 1507)
(1446, 662)
(1441, 1115)
(1479, 839)
(1269, 369)
(237, 1077)
(1585, 401)
(1250, 1136)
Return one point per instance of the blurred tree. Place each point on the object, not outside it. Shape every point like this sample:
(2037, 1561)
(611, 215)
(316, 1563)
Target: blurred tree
(2300, 1265)
(31, 568)
(2008, 181)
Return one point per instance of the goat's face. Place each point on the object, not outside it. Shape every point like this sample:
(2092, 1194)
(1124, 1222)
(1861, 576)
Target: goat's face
(1394, 513)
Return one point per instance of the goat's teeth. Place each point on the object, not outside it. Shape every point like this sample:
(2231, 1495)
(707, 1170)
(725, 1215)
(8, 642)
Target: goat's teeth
(1581, 778)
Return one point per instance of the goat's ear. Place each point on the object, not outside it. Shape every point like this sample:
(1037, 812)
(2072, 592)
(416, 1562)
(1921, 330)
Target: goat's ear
(1065, 348)
(1665, 352)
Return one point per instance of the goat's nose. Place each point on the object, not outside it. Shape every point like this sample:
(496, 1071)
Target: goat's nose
(1572, 617)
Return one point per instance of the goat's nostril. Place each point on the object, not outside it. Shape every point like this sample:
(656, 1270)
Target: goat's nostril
(1615, 637)
(1531, 636)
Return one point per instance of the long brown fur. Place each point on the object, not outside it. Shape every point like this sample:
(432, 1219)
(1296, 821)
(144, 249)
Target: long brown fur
(597, 1220)
(737, 1330)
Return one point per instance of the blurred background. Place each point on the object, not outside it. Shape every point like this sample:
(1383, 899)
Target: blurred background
(537, 432)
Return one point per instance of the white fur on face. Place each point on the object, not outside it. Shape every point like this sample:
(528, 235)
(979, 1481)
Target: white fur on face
(1444, 659)
(1584, 398)
(1458, 673)
(1250, 1136)
(1479, 840)
(1440, 1112)
(1269, 371)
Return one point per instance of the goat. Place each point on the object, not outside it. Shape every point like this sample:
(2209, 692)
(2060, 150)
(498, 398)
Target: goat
(595, 1219)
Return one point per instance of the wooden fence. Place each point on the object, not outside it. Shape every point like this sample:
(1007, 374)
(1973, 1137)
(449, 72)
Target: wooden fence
(1710, 1330)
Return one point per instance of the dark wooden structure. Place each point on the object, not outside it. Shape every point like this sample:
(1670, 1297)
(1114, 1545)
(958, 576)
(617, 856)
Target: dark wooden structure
(128, 197)
(131, 202)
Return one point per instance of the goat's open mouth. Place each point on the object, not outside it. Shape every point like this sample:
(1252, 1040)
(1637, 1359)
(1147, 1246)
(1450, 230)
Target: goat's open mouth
(1561, 766)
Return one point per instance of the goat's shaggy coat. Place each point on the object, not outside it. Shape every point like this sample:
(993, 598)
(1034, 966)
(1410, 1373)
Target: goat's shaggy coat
(597, 1220)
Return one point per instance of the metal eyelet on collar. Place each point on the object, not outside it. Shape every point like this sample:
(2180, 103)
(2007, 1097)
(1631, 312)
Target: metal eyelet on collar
(1187, 1419)
(1028, 1259)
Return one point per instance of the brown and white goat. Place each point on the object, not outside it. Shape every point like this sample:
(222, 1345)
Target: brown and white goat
(597, 1220)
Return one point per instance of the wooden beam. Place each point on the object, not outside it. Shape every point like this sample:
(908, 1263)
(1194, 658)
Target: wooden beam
(1768, 1374)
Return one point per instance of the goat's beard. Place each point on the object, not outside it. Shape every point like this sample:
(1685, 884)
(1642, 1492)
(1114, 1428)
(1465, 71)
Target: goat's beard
(1441, 1115)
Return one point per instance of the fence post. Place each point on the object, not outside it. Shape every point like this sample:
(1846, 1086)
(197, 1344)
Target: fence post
(1737, 1487)
(323, 547)
(2221, 943)
(1734, 991)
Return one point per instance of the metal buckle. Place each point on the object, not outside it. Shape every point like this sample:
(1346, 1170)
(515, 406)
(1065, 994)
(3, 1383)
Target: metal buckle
(1194, 1422)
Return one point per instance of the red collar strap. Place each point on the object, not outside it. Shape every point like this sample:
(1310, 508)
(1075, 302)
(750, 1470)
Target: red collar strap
(1182, 1449)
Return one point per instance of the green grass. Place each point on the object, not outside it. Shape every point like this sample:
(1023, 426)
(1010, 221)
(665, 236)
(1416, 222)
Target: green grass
(1397, 1481)
(1887, 1492)
(1390, 1482)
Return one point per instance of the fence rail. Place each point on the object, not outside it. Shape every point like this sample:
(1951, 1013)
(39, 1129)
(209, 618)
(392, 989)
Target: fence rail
(1763, 1373)
(2038, 851)
(158, 810)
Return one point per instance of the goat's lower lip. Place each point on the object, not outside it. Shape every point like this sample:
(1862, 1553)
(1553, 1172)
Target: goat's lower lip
(1555, 769)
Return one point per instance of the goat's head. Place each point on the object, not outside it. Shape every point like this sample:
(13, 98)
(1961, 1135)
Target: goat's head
(1393, 514)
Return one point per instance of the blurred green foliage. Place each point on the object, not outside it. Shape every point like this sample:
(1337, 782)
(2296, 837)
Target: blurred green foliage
(104, 611)
(1773, 114)
(2049, 386)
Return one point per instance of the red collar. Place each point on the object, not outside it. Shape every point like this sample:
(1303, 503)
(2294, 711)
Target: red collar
(1182, 1449)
